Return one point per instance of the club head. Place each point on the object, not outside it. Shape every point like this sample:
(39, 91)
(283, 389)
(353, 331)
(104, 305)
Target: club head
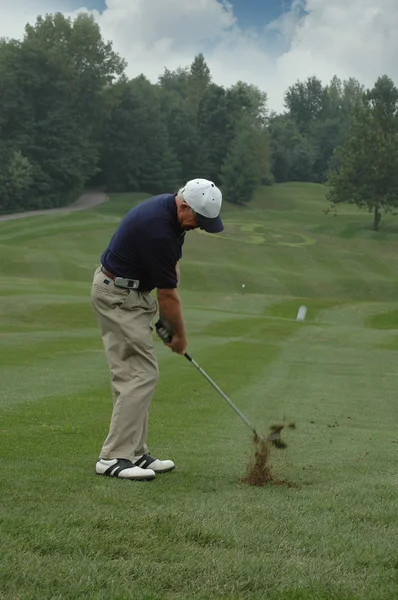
(274, 437)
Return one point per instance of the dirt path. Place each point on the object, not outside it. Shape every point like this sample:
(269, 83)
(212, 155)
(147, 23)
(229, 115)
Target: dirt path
(86, 201)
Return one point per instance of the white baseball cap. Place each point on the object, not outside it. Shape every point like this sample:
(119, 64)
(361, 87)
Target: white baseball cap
(204, 197)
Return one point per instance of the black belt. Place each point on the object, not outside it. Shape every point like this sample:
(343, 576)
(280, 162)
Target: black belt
(108, 274)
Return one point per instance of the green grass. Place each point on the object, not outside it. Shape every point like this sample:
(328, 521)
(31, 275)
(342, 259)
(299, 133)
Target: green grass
(199, 533)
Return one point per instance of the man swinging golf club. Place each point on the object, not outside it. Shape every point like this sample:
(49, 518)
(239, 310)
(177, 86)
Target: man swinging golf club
(143, 255)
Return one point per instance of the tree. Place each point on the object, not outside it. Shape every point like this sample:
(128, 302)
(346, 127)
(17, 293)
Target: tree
(181, 130)
(182, 94)
(15, 179)
(367, 174)
(352, 95)
(292, 155)
(305, 102)
(136, 154)
(329, 129)
(316, 122)
(198, 81)
(213, 132)
(203, 118)
(241, 171)
(303, 157)
(247, 101)
(51, 93)
(324, 136)
(332, 99)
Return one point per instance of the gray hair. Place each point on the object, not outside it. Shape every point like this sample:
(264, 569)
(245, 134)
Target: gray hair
(180, 194)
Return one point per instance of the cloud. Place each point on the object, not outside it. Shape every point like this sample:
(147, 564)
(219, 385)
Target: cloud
(280, 31)
(15, 14)
(314, 37)
(350, 39)
(153, 34)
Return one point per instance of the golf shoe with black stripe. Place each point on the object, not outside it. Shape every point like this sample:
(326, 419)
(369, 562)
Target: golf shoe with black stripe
(146, 461)
(123, 468)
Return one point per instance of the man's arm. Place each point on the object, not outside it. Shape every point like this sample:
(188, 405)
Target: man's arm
(170, 308)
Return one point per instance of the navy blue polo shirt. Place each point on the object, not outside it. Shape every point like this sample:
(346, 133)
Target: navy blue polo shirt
(147, 244)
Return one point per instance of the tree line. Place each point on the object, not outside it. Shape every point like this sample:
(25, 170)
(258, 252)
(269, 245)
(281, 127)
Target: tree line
(70, 117)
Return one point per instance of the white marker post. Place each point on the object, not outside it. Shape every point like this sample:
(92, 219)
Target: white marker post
(243, 288)
(302, 312)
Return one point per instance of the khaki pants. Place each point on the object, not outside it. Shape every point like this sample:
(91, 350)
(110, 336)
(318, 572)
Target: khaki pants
(124, 317)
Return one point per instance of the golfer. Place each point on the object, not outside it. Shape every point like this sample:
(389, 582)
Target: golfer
(143, 255)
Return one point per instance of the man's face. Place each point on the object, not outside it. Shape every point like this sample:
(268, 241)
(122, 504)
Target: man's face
(188, 218)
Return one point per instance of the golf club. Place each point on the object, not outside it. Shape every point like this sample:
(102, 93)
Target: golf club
(165, 333)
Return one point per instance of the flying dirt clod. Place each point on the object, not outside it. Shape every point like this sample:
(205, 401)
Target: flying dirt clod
(259, 471)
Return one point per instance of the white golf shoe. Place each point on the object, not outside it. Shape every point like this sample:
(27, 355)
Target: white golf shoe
(146, 461)
(123, 469)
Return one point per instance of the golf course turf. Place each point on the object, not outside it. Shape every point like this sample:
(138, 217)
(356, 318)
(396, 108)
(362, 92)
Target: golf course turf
(200, 532)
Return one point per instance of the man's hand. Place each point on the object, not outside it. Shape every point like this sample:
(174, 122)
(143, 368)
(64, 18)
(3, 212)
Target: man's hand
(178, 344)
(170, 310)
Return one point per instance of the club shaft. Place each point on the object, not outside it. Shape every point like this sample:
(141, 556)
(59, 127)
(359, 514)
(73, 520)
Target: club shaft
(219, 390)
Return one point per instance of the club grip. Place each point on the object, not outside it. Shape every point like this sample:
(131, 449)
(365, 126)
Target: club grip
(164, 331)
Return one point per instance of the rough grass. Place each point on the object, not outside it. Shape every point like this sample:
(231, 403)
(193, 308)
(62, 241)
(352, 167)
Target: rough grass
(200, 532)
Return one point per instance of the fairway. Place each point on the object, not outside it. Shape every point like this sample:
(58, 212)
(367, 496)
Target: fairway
(199, 532)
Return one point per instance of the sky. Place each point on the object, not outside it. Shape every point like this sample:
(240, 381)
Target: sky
(268, 43)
